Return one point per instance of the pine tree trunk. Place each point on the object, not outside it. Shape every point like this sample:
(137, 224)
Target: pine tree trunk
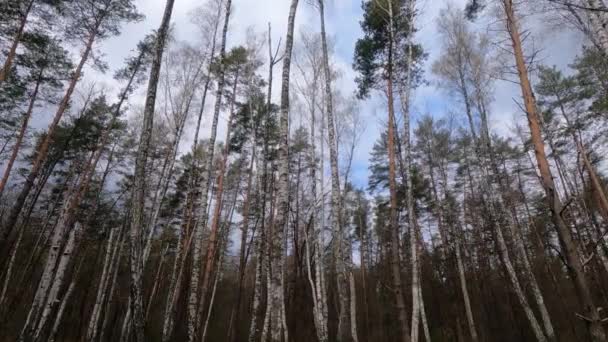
(8, 63)
(568, 245)
(21, 135)
(43, 148)
(395, 262)
(139, 186)
(282, 211)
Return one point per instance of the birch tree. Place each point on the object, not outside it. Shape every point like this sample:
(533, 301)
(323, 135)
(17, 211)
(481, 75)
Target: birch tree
(139, 188)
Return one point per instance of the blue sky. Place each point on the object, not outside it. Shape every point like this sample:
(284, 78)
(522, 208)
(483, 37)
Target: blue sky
(557, 47)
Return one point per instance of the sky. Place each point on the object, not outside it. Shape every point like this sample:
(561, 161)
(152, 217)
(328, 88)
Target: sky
(557, 47)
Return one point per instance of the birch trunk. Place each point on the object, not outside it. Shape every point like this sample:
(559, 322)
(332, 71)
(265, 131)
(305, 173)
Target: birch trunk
(199, 225)
(110, 292)
(174, 284)
(566, 240)
(46, 279)
(92, 328)
(139, 186)
(66, 298)
(53, 294)
(318, 293)
(186, 217)
(276, 239)
(156, 285)
(344, 328)
(242, 257)
(212, 243)
(262, 245)
(108, 288)
(465, 292)
(164, 181)
(405, 104)
(218, 277)
(254, 329)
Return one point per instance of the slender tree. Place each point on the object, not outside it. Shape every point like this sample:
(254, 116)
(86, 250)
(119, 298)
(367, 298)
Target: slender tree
(139, 188)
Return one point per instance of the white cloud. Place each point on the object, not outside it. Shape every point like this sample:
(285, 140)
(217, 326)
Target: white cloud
(343, 18)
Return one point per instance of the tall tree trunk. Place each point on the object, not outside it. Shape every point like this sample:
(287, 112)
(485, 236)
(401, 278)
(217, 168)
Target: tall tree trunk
(94, 320)
(21, 135)
(114, 281)
(405, 104)
(262, 245)
(53, 293)
(187, 216)
(395, 262)
(201, 218)
(465, 291)
(568, 245)
(344, 328)
(64, 302)
(254, 330)
(139, 186)
(157, 279)
(43, 148)
(282, 210)
(213, 242)
(8, 63)
(242, 255)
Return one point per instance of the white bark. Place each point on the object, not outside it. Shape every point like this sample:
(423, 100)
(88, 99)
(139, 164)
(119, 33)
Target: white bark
(53, 295)
(257, 292)
(173, 282)
(66, 298)
(139, 182)
(276, 238)
(465, 292)
(218, 278)
(157, 278)
(200, 223)
(94, 320)
(344, 328)
(353, 306)
(110, 292)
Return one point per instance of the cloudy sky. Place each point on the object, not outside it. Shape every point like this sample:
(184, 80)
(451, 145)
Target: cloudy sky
(557, 47)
